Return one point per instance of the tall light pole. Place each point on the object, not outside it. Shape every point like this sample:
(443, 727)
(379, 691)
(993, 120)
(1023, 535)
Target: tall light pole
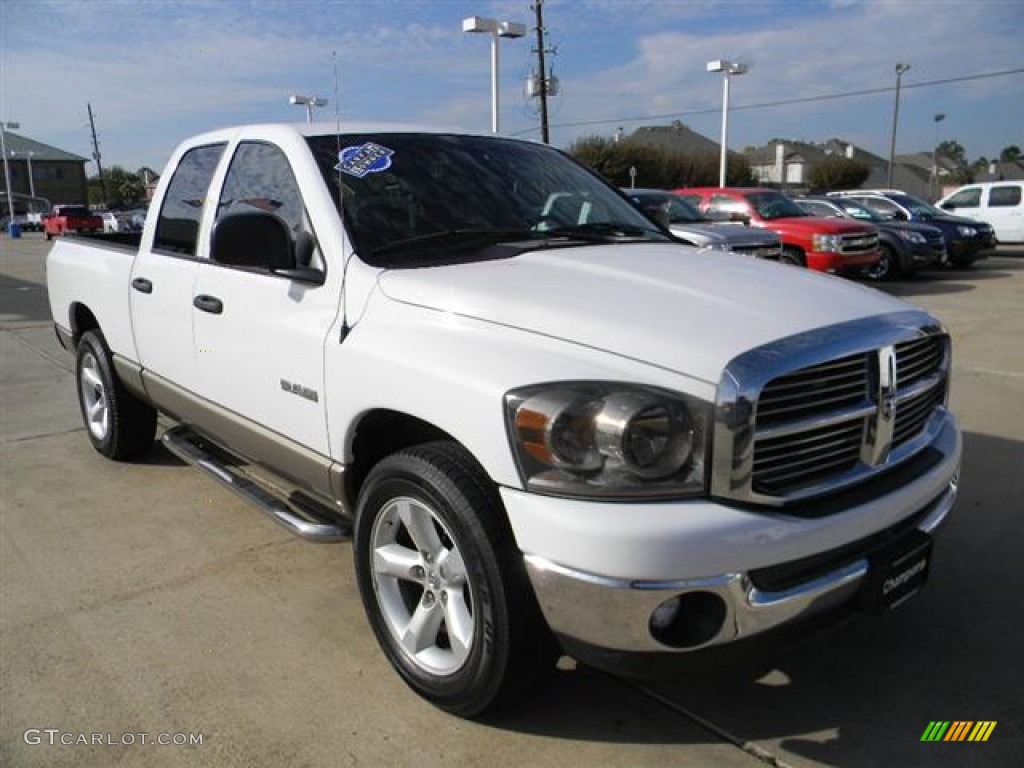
(7, 170)
(31, 181)
(728, 69)
(939, 117)
(901, 69)
(308, 102)
(496, 29)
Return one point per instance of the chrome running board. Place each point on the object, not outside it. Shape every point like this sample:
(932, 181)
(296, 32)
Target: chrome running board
(299, 514)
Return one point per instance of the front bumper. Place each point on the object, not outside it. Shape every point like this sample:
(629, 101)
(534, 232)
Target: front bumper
(837, 262)
(601, 571)
(616, 614)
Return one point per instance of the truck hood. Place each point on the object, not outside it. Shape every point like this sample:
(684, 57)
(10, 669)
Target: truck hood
(816, 225)
(666, 305)
(733, 235)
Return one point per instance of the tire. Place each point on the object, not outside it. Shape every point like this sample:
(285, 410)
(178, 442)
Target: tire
(887, 267)
(49, 235)
(793, 257)
(119, 425)
(444, 586)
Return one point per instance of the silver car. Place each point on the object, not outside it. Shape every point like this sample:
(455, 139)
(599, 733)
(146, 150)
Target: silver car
(686, 223)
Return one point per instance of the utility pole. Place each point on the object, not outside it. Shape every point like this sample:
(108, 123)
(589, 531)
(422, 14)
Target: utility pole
(538, 9)
(96, 157)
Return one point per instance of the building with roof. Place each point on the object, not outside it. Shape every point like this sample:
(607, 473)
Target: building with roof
(677, 138)
(40, 170)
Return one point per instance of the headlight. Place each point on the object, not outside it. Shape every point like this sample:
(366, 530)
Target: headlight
(826, 243)
(967, 231)
(601, 439)
(912, 237)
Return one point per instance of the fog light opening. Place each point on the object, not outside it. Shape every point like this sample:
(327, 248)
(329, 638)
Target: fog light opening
(688, 620)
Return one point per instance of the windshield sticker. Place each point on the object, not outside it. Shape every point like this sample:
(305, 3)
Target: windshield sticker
(363, 159)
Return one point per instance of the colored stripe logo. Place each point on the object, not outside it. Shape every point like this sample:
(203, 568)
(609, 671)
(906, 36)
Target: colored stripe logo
(959, 730)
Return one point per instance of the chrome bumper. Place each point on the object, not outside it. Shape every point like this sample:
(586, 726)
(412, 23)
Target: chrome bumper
(616, 614)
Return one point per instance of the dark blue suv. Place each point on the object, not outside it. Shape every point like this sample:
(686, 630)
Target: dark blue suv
(967, 240)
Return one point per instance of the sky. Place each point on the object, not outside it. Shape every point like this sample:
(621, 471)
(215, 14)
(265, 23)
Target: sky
(158, 71)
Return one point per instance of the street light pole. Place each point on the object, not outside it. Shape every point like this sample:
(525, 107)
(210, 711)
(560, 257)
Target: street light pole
(901, 69)
(727, 68)
(939, 117)
(7, 170)
(308, 102)
(496, 29)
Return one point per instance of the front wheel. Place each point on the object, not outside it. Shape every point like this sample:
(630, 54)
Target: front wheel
(794, 257)
(887, 266)
(443, 584)
(119, 425)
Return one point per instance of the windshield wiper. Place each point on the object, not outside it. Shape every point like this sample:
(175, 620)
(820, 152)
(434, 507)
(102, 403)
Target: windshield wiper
(452, 236)
(600, 231)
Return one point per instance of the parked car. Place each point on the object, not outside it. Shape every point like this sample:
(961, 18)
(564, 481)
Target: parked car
(906, 246)
(546, 425)
(998, 203)
(688, 224)
(70, 218)
(824, 244)
(967, 240)
(117, 221)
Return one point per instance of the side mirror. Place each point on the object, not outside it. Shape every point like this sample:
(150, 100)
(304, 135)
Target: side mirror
(253, 239)
(740, 218)
(948, 207)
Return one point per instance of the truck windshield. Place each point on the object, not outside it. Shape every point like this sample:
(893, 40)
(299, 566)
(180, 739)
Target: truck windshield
(412, 199)
(918, 207)
(774, 205)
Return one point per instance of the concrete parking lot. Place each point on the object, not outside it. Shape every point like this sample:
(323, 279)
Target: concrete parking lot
(145, 599)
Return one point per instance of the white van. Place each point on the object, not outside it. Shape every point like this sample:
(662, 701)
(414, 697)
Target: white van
(999, 203)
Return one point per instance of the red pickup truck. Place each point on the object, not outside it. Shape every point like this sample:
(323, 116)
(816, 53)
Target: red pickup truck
(70, 218)
(824, 244)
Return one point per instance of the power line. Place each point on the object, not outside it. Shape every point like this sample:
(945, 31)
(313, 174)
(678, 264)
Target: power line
(781, 103)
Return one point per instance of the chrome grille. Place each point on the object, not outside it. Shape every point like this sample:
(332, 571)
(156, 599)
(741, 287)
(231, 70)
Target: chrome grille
(917, 359)
(860, 242)
(913, 413)
(807, 456)
(826, 422)
(813, 391)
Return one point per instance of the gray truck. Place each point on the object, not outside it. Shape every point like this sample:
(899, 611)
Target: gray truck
(688, 224)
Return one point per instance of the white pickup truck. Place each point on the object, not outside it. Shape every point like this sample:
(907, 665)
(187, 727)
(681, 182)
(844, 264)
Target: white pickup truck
(546, 426)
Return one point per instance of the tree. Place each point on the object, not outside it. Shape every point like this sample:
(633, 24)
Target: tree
(954, 150)
(124, 188)
(655, 166)
(1010, 154)
(837, 172)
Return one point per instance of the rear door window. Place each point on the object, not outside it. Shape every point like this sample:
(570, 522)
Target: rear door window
(1004, 197)
(177, 228)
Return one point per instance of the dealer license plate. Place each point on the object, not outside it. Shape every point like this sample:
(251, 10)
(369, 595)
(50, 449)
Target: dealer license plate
(896, 572)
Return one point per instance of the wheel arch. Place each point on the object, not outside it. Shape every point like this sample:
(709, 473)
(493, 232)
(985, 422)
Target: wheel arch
(81, 319)
(381, 432)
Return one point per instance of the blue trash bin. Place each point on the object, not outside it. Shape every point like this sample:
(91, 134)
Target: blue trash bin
(14, 230)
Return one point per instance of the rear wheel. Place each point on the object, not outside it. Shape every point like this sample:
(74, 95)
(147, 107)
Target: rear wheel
(443, 584)
(119, 425)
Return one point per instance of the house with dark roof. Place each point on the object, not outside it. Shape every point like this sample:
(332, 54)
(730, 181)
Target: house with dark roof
(999, 170)
(786, 163)
(36, 169)
(676, 137)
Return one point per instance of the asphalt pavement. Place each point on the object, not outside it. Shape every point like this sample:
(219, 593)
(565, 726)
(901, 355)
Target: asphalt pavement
(142, 603)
